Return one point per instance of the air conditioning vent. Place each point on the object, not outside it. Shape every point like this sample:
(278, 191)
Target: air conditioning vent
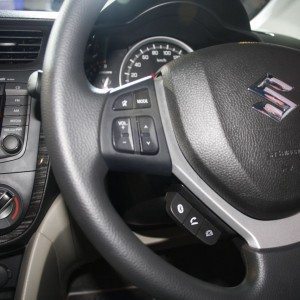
(19, 46)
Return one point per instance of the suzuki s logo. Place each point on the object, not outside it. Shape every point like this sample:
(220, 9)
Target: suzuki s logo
(276, 105)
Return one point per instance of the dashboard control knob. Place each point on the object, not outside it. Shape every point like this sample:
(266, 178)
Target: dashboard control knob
(11, 144)
(6, 204)
(11, 207)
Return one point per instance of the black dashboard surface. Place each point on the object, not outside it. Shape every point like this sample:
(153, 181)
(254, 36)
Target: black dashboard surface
(198, 24)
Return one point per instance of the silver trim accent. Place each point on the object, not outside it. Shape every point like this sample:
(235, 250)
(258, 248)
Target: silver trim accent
(8, 44)
(124, 86)
(7, 208)
(5, 212)
(257, 233)
(28, 15)
(275, 105)
(152, 40)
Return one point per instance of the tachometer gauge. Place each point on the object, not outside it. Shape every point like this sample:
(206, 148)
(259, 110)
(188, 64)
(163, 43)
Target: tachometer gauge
(149, 55)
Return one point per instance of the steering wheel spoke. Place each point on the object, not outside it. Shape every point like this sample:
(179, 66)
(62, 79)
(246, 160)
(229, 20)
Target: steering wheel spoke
(132, 135)
(257, 233)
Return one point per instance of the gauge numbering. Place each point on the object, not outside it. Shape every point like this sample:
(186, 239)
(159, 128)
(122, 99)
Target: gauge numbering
(148, 56)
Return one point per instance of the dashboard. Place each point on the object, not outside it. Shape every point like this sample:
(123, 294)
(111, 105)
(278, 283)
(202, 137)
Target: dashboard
(129, 43)
(117, 67)
(138, 61)
(118, 54)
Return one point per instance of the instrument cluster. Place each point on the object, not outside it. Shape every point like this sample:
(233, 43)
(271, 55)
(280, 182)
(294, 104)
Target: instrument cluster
(108, 69)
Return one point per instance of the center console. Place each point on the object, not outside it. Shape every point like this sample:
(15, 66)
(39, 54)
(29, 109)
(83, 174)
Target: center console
(14, 122)
(24, 168)
(18, 150)
(24, 160)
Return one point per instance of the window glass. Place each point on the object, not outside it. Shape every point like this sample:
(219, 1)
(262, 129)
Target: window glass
(34, 5)
(253, 7)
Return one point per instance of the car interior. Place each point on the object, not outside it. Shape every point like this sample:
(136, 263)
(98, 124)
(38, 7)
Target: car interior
(149, 149)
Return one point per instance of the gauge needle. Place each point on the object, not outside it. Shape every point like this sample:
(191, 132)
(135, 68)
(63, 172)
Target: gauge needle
(106, 83)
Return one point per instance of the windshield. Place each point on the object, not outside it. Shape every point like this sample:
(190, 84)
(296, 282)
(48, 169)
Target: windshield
(279, 17)
(33, 5)
(253, 7)
(270, 16)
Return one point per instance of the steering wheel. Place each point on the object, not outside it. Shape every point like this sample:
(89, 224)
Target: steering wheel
(242, 163)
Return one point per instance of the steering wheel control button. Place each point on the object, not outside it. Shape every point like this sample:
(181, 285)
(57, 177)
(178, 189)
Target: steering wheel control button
(148, 138)
(11, 144)
(193, 222)
(179, 207)
(14, 121)
(149, 145)
(142, 99)
(133, 139)
(191, 219)
(16, 88)
(124, 102)
(122, 135)
(16, 100)
(146, 125)
(208, 233)
(15, 110)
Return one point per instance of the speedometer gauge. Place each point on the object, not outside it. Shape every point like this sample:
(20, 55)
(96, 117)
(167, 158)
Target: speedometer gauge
(148, 56)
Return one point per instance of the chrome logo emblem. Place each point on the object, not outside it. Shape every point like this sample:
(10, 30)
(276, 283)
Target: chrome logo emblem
(275, 105)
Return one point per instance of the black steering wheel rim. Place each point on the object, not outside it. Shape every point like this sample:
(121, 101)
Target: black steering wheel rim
(71, 111)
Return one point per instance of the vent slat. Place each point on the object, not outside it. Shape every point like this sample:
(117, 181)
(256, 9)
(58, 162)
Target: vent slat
(19, 37)
(16, 33)
(19, 46)
(29, 45)
(16, 59)
(19, 52)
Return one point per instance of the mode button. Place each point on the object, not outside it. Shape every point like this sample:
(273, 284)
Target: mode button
(142, 99)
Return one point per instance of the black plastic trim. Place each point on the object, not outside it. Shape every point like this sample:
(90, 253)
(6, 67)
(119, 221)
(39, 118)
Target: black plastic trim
(159, 163)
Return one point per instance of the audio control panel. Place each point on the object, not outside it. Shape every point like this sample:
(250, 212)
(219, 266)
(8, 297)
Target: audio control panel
(19, 148)
(14, 121)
